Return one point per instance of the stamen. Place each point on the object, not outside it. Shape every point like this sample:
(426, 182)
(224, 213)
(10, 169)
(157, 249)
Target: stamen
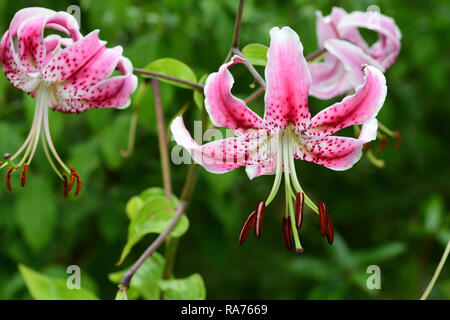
(287, 233)
(23, 175)
(299, 209)
(330, 230)
(259, 212)
(398, 137)
(323, 214)
(66, 185)
(247, 227)
(8, 178)
(366, 147)
(78, 179)
(383, 143)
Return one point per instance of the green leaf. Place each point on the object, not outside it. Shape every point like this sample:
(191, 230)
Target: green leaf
(174, 68)
(133, 206)
(36, 212)
(146, 279)
(190, 288)
(380, 254)
(433, 210)
(256, 54)
(199, 98)
(156, 191)
(48, 288)
(154, 217)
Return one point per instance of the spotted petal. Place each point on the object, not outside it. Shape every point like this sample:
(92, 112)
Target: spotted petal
(222, 155)
(359, 108)
(71, 59)
(225, 110)
(110, 93)
(288, 81)
(337, 153)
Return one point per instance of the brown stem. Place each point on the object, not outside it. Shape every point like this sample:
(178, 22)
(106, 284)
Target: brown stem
(163, 142)
(255, 95)
(315, 54)
(125, 282)
(194, 85)
(237, 29)
(250, 68)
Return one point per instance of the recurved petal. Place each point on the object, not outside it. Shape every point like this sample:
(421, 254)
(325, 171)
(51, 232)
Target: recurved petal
(329, 79)
(325, 29)
(387, 47)
(359, 108)
(13, 69)
(100, 67)
(224, 109)
(24, 14)
(30, 43)
(288, 81)
(221, 155)
(337, 153)
(71, 59)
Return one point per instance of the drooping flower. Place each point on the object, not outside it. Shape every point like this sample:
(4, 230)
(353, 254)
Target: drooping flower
(287, 132)
(346, 50)
(68, 73)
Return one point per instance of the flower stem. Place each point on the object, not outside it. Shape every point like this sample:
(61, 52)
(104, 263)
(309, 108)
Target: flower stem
(237, 30)
(197, 86)
(436, 272)
(315, 54)
(250, 68)
(125, 282)
(163, 142)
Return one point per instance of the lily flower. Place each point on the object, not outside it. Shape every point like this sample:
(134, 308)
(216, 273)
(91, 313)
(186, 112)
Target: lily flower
(287, 132)
(68, 73)
(346, 50)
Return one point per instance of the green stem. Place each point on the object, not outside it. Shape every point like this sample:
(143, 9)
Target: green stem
(436, 273)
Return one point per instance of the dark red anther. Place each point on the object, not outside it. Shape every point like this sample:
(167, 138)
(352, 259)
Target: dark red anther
(323, 214)
(299, 209)
(247, 227)
(74, 176)
(366, 147)
(330, 230)
(8, 178)
(383, 143)
(23, 175)
(287, 233)
(66, 185)
(398, 137)
(259, 217)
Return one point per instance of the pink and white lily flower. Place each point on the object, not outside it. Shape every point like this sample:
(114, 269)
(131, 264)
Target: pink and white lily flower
(346, 50)
(68, 74)
(269, 145)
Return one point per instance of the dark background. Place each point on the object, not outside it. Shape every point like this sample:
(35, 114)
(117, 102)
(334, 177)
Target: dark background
(395, 217)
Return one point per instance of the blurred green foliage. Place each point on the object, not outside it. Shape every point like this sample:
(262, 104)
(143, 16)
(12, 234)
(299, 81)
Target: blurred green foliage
(396, 218)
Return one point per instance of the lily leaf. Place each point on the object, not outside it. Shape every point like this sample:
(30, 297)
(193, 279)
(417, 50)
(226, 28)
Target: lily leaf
(43, 287)
(256, 54)
(145, 280)
(174, 68)
(190, 288)
(36, 218)
(154, 217)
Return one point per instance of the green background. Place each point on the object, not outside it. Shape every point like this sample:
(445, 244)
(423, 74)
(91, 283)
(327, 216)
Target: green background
(395, 217)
